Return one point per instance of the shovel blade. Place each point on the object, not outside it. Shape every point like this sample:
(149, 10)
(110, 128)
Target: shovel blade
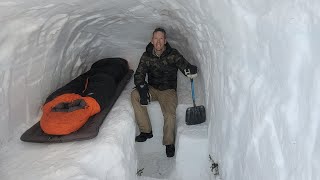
(195, 115)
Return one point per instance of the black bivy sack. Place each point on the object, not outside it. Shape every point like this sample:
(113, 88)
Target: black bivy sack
(107, 78)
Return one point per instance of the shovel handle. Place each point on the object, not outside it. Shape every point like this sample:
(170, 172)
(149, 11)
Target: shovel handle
(193, 95)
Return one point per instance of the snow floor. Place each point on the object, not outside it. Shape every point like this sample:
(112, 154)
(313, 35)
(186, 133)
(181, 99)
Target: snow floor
(153, 161)
(191, 160)
(113, 154)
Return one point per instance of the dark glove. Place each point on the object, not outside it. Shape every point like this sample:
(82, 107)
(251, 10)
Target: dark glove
(191, 71)
(144, 94)
(69, 106)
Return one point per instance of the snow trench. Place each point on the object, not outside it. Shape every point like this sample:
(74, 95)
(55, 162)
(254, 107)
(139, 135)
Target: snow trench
(258, 72)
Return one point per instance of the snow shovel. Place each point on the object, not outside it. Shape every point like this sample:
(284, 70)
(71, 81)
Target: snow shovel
(195, 114)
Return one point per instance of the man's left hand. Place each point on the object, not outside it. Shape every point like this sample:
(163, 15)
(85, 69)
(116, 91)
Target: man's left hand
(191, 71)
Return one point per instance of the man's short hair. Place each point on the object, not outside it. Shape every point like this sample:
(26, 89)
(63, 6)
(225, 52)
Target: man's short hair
(160, 30)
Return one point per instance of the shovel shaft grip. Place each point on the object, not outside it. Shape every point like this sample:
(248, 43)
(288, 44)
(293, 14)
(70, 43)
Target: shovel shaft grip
(193, 95)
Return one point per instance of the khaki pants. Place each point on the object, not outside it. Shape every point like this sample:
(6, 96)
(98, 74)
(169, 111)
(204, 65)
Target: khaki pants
(168, 102)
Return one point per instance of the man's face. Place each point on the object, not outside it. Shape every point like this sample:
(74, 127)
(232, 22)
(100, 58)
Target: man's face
(158, 41)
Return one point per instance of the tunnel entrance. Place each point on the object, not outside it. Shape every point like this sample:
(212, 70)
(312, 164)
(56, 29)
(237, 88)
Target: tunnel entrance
(57, 42)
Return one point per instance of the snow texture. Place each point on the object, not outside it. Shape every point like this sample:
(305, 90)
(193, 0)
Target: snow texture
(259, 67)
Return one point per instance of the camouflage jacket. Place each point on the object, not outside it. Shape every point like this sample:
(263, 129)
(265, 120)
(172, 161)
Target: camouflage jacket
(161, 71)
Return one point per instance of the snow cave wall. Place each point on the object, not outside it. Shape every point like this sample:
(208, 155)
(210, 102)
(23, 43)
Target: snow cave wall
(258, 64)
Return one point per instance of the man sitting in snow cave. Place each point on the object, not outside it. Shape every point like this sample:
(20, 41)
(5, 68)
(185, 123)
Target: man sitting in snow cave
(161, 63)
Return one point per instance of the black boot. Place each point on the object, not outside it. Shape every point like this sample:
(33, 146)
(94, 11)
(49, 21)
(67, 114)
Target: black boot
(170, 150)
(144, 136)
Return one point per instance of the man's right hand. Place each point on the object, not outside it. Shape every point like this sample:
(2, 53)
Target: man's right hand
(144, 94)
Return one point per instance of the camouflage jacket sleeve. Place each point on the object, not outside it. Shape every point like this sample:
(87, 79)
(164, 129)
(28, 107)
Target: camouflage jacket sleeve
(181, 62)
(140, 74)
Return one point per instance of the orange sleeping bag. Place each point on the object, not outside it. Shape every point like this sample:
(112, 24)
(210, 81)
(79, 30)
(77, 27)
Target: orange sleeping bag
(63, 123)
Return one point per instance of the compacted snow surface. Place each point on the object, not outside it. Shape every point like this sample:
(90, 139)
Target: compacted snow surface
(258, 78)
